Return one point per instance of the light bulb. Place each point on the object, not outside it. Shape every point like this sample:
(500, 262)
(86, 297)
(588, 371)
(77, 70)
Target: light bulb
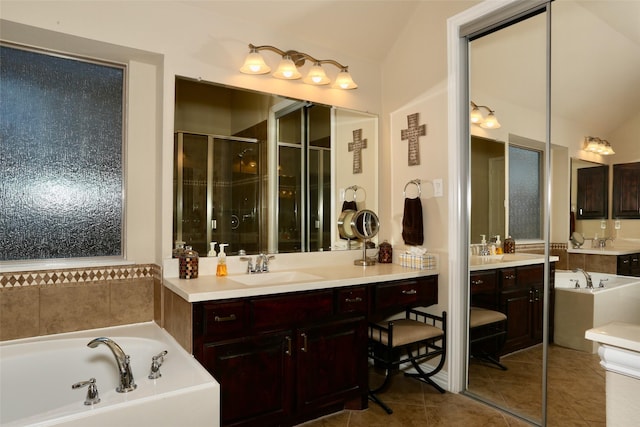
(254, 64)
(287, 69)
(476, 115)
(317, 76)
(344, 80)
(491, 122)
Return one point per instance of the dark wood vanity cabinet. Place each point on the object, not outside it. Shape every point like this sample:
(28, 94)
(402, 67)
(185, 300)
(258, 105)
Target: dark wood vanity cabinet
(629, 265)
(593, 193)
(283, 359)
(518, 293)
(626, 190)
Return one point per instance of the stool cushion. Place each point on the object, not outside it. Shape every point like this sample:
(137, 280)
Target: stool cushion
(407, 331)
(481, 316)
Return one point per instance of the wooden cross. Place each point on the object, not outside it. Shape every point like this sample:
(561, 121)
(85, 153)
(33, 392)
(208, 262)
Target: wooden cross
(357, 146)
(412, 133)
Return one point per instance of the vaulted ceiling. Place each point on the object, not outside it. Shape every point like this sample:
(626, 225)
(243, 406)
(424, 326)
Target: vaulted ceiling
(599, 85)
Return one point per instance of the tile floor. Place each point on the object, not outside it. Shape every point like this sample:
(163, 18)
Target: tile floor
(576, 391)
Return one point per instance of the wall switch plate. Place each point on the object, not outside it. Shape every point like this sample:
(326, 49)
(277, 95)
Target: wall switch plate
(438, 191)
(616, 224)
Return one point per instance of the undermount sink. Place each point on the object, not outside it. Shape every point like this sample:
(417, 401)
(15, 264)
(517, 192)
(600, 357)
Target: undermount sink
(274, 278)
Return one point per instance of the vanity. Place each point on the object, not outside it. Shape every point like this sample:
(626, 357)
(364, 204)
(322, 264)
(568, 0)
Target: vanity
(292, 350)
(621, 259)
(514, 285)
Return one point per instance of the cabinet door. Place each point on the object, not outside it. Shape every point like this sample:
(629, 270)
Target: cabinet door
(332, 364)
(593, 192)
(255, 376)
(483, 289)
(518, 306)
(626, 190)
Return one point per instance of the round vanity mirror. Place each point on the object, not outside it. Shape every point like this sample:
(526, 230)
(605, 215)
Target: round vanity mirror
(365, 224)
(577, 239)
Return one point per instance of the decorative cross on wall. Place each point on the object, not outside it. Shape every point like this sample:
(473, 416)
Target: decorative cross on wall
(357, 146)
(412, 133)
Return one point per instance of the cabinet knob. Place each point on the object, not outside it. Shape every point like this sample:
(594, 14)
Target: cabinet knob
(409, 292)
(356, 299)
(304, 343)
(477, 282)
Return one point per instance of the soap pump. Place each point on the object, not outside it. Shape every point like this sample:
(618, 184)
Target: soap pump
(212, 250)
(221, 269)
(484, 250)
(498, 245)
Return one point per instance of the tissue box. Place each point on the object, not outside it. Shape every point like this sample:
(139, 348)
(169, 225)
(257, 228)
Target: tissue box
(421, 262)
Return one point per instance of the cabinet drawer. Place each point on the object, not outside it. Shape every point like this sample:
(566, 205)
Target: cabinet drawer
(223, 319)
(530, 275)
(483, 282)
(406, 293)
(290, 310)
(507, 277)
(352, 300)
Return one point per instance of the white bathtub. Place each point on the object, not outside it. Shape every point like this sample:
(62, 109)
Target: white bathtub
(577, 310)
(36, 375)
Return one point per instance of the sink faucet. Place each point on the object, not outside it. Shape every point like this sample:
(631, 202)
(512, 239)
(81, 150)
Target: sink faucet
(262, 263)
(602, 243)
(587, 276)
(124, 366)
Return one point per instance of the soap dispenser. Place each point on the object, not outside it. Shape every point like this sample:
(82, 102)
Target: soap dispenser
(221, 269)
(498, 245)
(484, 250)
(212, 250)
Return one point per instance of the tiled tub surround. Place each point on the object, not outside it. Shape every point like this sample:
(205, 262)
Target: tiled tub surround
(34, 303)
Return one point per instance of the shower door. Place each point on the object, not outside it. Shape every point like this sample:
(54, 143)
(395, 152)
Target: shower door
(219, 184)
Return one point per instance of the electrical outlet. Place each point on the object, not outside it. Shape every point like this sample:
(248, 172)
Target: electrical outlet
(617, 224)
(603, 224)
(438, 191)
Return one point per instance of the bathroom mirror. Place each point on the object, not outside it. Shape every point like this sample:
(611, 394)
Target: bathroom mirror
(487, 188)
(265, 173)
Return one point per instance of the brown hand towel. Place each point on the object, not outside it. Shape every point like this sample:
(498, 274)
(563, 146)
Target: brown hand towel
(412, 225)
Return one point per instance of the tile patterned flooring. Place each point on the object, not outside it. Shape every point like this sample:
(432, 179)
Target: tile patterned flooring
(576, 392)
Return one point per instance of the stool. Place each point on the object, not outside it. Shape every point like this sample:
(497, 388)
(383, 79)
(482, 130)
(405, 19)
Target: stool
(486, 326)
(416, 338)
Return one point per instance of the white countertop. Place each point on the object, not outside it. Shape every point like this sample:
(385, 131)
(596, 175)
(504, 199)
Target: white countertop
(210, 287)
(617, 334)
(477, 263)
(604, 251)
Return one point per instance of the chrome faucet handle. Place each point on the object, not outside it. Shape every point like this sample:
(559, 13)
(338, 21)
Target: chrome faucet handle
(577, 283)
(601, 284)
(249, 264)
(93, 396)
(156, 362)
(265, 262)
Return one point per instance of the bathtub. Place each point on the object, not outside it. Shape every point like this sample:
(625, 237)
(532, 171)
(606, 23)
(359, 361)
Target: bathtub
(577, 310)
(36, 375)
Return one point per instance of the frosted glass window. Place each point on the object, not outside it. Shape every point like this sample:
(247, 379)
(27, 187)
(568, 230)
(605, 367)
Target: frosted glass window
(61, 160)
(524, 193)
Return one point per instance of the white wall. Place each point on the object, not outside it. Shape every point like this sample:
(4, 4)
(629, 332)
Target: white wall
(178, 39)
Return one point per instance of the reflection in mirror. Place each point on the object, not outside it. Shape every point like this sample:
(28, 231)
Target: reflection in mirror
(487, 188)
(505, 322)
(265, 173)
(589, 195)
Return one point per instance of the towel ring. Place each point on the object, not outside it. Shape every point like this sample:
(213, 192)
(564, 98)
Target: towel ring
(415, 182)
(355, 189)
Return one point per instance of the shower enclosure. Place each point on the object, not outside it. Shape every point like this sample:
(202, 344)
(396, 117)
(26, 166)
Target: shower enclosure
(219, 186)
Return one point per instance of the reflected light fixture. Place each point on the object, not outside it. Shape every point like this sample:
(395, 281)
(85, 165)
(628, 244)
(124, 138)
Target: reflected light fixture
(596, 145)
(291, 61)
(476, 117)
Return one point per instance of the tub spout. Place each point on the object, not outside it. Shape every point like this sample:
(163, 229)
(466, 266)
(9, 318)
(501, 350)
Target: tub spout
(124, 366)
(587, 276)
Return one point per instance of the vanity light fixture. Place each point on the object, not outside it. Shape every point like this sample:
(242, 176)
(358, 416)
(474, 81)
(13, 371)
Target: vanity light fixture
(596, 145)
(291, 61)
(476, 117)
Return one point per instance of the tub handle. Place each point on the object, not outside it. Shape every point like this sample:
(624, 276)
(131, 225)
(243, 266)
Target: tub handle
(576, 283)
(92, 392)
(156, 362)
(601, 284)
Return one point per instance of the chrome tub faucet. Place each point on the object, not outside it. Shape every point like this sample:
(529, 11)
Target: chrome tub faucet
(587, 276)
(124, 366)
